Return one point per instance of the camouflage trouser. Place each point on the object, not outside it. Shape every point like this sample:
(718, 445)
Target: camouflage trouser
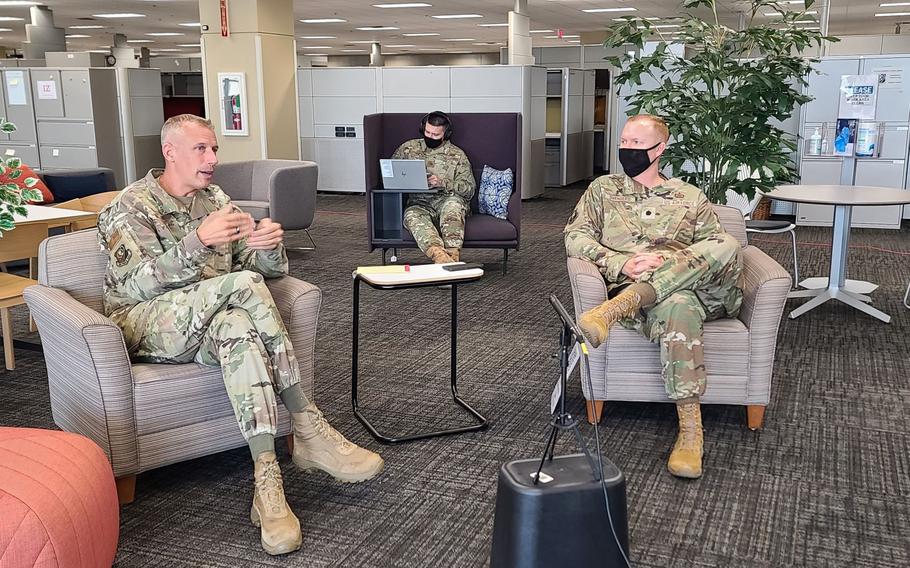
(228, 320)
(422, 221)
(694, 285)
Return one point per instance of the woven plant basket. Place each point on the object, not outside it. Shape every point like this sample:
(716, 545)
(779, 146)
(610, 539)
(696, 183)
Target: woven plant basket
(762, 211)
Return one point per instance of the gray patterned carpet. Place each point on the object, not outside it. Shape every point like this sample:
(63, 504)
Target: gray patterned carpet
(826, 483)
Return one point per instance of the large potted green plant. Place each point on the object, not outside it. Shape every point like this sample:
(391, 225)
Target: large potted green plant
(15, 191)
(721, 99)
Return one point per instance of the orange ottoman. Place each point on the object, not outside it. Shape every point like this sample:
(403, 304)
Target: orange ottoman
(58, 501)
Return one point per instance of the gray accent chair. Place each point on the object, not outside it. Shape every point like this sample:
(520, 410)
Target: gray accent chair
(283, 190)
(143, 416)
(739, 352)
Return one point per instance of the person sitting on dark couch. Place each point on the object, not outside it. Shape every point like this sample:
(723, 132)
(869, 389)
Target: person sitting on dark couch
(436, 220)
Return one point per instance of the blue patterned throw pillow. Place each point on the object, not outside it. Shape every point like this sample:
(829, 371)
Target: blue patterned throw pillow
(495, 190)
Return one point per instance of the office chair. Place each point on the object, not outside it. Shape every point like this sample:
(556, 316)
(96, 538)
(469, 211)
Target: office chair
(769, 227)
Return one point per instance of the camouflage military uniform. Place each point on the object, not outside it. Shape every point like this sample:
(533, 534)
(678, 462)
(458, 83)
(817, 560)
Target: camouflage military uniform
(446, 209)
(618, 217)
(177, 300)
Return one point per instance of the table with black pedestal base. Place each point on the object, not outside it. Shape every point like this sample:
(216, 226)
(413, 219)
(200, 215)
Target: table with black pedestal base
(419, 276)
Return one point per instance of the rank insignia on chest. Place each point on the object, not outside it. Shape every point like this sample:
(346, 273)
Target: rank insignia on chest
(122, 255)
(679, 195)
(648, 213)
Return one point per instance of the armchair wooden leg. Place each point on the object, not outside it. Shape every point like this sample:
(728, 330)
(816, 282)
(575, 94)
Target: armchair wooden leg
(595, 410)
(290, 441)
(126, 489)
(7, 327)
(755, 416)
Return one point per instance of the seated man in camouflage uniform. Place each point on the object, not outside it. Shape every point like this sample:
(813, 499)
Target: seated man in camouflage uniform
(185, 282)
(669, 267)
(437, 219)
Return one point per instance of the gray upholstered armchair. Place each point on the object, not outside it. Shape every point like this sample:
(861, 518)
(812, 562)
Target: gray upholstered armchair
(739, 353)
(143, 415)
(284, 190)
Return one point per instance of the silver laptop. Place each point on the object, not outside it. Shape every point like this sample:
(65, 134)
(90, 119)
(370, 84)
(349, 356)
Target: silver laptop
(404, 175)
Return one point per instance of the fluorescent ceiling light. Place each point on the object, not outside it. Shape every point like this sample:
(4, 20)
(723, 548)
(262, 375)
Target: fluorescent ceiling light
(429, 49)
(563, 37)
(354, 50)
(190, 24)
(10, 29)
(117, 15)
(456, 16)
(168, 49)
(315, 54)
(421, 35)
(493, 25)
(377, 28)
(164, 34)
(188, 45)
(893, 4)
(18, 3)
(317, 37)
(363, 41)
(317, 47)
(774, 14)
(626, 19)
(599, 10)
(86, 27)
(540, 31)
(881, 15)
(401, 45)
(323, 21)
(140, 41)
(460, 39)
(98, 51)
(71, 36)
(404, 5)
(10, 19)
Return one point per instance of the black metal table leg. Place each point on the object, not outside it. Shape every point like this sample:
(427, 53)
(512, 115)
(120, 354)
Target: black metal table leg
(481, 422)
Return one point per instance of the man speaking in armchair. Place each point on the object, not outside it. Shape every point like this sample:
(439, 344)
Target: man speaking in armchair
(669, 267)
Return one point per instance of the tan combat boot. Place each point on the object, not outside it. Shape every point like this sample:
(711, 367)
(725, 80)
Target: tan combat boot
(685, 459)
(596, 322)
(279, 527)
(319, 446)
(439, 255)
(453, 253)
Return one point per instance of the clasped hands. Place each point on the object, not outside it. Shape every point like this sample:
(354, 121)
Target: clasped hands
(640, 263)
(229, 224)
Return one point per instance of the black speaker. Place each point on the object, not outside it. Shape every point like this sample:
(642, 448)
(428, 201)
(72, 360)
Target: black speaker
(562, 522)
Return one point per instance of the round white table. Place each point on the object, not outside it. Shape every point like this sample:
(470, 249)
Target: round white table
(843, 198)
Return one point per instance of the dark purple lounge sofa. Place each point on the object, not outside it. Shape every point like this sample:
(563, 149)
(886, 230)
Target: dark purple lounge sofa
(493, 139)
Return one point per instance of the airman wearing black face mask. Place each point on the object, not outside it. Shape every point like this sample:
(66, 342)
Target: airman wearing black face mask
(437, 220)
(669, 267)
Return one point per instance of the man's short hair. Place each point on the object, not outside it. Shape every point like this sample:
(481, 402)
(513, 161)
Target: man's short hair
(175, 123)
(656, 122)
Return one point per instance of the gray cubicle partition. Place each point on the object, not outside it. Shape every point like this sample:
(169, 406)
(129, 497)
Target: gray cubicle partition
(888, 169)
(16, 105)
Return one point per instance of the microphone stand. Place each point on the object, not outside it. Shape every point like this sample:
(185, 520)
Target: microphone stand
(563, 421)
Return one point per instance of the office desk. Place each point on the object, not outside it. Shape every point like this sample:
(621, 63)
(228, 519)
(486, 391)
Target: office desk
(418, 277)
(843, 198)
(53, 216)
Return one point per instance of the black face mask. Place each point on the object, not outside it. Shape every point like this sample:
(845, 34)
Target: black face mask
(635, 160)
(432, 142)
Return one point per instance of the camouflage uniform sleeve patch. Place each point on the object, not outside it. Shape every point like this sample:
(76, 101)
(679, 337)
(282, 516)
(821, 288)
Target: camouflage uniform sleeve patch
(122, 255)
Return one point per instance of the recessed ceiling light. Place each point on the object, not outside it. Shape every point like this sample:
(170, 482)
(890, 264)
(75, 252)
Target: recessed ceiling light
(117, 15)
(880, 15)
(190, 24)
(460, 39)
(429, 49)
(188, 45)
(599, 10)
(164, 34)
(354, 50)
(421, 34)
(317, 37)
(404, 5)
(893, 4)
(377, 28)
(317, 47)
(93, 27)
(456, 16)
(774, 14)
(540, 31)
(71, 36)
(402, 45)
(315, 54)
(18, 3)
(363, 41)
(563, 37)
(323, 21)
(168, 49)
(10, 29)
(98, 51)
(493, 25)
(140, 41)
(10, 19)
